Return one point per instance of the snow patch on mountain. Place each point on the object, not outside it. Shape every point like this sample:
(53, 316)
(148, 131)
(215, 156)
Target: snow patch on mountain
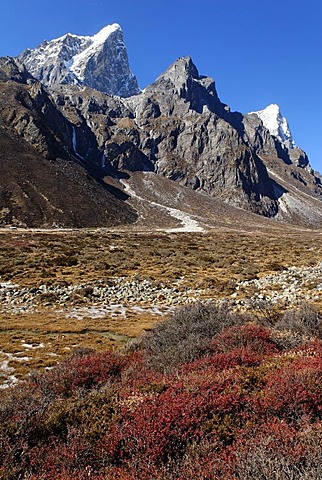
(276, 124)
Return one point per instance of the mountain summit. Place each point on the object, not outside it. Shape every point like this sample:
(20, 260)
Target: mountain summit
(99, 62)
(277, 125)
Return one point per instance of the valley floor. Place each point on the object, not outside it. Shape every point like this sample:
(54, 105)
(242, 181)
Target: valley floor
(68, 289)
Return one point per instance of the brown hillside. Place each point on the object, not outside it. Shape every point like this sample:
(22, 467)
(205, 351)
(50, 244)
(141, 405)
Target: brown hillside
(35, 192)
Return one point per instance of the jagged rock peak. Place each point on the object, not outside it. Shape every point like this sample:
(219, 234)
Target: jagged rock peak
(182, 78)
(99, 61)
(12, 69)
(277, 125)
(183, 67)
(183, 72)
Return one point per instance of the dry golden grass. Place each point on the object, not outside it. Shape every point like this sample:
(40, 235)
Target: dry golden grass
(46, 337)
(80, 256)
(213, 261)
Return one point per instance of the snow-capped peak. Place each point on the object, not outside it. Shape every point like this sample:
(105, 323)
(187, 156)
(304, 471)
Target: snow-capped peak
(99, 37)
(276, 124)
(64, 37)
(103, 34)
(99, 61)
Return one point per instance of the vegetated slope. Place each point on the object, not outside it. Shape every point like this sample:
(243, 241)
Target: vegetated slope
(207, 395)
(35, 192)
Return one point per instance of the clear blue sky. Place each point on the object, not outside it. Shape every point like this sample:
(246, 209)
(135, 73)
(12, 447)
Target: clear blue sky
(258, 51)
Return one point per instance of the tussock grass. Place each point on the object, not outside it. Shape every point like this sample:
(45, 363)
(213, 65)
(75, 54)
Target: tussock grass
(75, 257)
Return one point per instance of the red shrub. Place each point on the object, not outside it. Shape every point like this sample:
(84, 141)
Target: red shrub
(310, 349)
(159, 427)
(240, 412)
(218, 362)
(83, 372)
(295, 390)
(251, 337)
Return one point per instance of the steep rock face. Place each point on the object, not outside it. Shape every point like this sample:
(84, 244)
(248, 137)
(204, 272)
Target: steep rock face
(43, 181)
(96, 119)
(180, 129)
(13, 70)
(177, 128)
(258, 137)
(28, 110)
(100, 62)
(188, 137)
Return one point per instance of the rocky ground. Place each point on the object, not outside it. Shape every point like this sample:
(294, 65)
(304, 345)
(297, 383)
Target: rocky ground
(287, 288)
(96, 295)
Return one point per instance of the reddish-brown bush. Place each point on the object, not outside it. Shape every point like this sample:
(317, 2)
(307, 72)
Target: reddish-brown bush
(295, 391)
(81, 373)
(241, 409)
